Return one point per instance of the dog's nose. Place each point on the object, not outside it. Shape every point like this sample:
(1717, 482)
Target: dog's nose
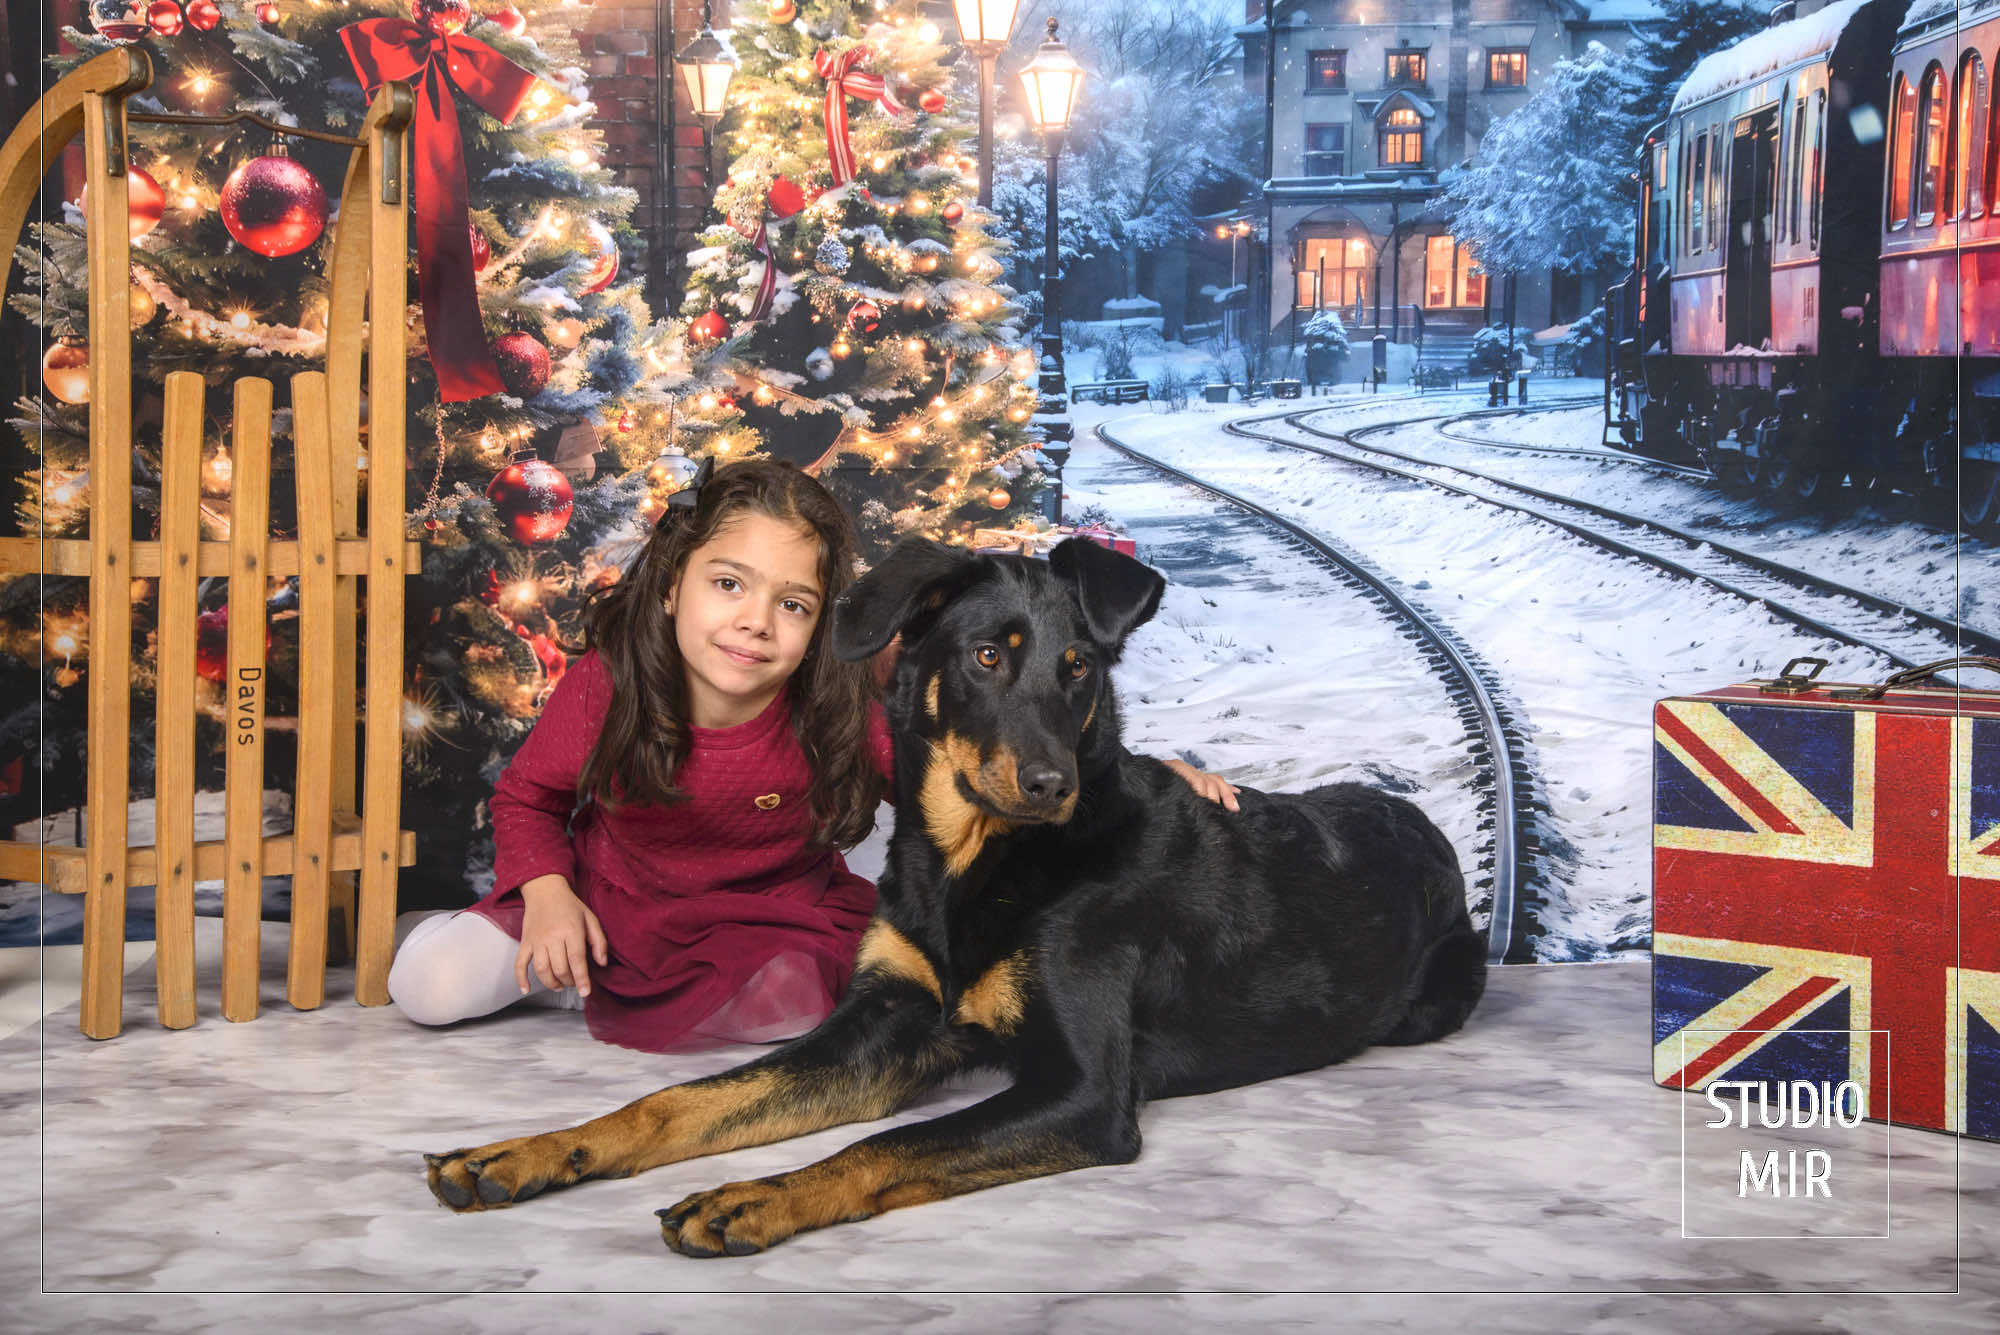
(1044, 784)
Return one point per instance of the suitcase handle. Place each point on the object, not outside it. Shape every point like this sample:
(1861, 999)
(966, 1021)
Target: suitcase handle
(1922, 673)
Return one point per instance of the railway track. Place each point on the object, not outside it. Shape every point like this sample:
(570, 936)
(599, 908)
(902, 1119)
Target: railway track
(1665, 468)
(1505, 773)
(1901, 635)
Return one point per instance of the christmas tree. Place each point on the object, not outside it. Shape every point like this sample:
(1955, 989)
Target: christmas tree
(851, 289)
(542, 390)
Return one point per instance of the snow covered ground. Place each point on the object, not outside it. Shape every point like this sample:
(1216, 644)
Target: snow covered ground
(1585, 643)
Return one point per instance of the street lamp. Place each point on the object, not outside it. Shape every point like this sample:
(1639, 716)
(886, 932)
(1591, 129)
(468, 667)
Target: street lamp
(1051, 81)
(706, 67)
(983, 28)
(1233, 233)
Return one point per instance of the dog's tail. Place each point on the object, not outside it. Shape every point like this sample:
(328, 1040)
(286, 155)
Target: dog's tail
(1451, 980)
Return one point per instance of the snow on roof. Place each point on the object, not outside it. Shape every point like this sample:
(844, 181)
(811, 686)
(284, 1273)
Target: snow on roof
(1767, 52)
(1923, 11)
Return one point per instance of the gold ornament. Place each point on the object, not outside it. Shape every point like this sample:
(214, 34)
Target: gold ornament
(66, 369)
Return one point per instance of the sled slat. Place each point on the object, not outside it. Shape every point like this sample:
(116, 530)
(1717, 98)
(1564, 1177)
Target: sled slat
(174, 703)
(243, 698)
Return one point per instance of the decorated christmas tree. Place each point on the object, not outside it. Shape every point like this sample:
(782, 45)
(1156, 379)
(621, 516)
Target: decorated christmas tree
(542, 390)
(851, 287)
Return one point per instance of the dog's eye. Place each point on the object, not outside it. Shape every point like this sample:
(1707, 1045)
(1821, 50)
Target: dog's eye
(1078, 669)
(987, 655)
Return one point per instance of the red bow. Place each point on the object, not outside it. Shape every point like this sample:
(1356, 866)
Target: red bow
(385, 49)
(759, 235)
(842, 82)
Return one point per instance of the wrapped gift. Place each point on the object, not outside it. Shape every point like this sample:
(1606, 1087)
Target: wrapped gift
(1104, 537)
(1826, 891)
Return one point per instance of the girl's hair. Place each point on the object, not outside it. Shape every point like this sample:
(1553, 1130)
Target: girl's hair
(646, 737)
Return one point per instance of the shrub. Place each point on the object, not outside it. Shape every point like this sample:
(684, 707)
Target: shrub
(1489, 349)
(1116, 363)
(1173, 389)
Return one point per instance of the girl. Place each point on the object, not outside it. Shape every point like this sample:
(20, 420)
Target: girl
(666, 838)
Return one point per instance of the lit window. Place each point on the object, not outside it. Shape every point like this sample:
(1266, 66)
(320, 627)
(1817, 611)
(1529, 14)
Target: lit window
(1903, 133)
(1451, 276)
(1971, 137)
(1931, 123)
(1507, 68)
(1406, 66)
(1333, 271)
(1326, 72)
(1402, 139)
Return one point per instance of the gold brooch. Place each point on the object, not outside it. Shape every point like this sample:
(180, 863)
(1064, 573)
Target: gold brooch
(767, 802)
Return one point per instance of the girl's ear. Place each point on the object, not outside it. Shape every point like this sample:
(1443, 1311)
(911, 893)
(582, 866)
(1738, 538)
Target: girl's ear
(910, 583)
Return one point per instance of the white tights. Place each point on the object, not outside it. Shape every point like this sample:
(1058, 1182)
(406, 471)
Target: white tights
(452, 966)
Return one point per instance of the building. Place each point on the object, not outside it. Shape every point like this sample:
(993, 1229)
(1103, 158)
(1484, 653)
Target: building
(1369, 100)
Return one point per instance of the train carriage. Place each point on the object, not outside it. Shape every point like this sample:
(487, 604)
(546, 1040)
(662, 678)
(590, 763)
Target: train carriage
(1940, 246)
(1749, 332)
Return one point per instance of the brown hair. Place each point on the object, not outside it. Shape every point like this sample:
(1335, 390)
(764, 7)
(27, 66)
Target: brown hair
(645, 737)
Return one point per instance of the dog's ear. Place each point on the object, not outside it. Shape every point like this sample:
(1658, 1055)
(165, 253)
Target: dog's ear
(912, 581)
(1118, 594)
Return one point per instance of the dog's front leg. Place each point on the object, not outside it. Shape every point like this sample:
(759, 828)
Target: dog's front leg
(1074, 1106)
(882, 1045)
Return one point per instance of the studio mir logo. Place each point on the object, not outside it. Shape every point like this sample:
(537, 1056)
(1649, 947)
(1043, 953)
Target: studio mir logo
(1799, 1105)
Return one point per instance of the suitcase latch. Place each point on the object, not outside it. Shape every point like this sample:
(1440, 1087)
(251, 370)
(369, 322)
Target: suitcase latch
(1791, 681)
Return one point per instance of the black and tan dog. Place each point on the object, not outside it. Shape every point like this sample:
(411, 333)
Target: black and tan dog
(1054, 906)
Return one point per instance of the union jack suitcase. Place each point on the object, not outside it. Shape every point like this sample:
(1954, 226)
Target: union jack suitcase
(1826, 891)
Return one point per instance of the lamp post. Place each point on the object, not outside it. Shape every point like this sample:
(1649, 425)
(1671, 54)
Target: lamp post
(706, 67)
(983, 28)
(1235, 232)
(1051, 81)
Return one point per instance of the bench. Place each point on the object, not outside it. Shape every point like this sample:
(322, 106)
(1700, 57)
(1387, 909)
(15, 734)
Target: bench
(1110, 391)
(1435, 375)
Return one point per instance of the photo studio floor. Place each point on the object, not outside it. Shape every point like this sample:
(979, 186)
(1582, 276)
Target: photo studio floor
(1523, 1174)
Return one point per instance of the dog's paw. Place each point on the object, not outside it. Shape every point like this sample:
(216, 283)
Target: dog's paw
(739, 1219)
(499, 1174)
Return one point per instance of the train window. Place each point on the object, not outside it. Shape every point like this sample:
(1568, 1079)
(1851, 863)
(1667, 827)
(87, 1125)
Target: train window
(1791, 223)
(1903, 129)
(1715, 179)
(1933, 121)
(1816, 200)
(1970, 132)
(1698, 195)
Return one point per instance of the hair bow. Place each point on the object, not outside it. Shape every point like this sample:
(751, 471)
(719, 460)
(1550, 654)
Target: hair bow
(688, 497)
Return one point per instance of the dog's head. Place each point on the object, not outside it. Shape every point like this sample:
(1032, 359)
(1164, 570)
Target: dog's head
(1004, 667)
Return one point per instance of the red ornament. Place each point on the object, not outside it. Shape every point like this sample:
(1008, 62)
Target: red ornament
(864, 317)
(211, 644)
(441, 18)
(203, 15)
(625, 420)
(524, 364)
(273, 206)
(66, 369)
(931, 100)
(606, 266)
(998, 498)
(482, 249)
(267, 13)
(708, 327)
(145, 202)
(951, 213)
(509, 21)
(785, 198)
(533, 500)
(165, 18)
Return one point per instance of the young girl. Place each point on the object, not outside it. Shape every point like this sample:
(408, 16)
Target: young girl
(666, 838)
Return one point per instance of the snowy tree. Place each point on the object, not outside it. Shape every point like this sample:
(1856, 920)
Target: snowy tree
(1551, 187)
(1163, 118)
(1663, 53)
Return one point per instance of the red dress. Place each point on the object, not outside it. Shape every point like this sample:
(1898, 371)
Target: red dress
(694, 898)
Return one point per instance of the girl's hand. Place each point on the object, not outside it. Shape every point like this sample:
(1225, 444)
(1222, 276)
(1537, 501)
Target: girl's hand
(1211, 786)
(559, 937)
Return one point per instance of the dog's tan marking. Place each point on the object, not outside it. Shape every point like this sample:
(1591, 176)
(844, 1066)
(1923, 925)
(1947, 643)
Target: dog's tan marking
(1069, 657)
(996, 1002)
(1091, 715)
(724, 1112)
(1014, 639)
(931, 696)
(957, 827)
(857, 1183)
(886, 950)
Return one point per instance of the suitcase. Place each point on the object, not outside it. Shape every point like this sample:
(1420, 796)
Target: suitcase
(1826, 890)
